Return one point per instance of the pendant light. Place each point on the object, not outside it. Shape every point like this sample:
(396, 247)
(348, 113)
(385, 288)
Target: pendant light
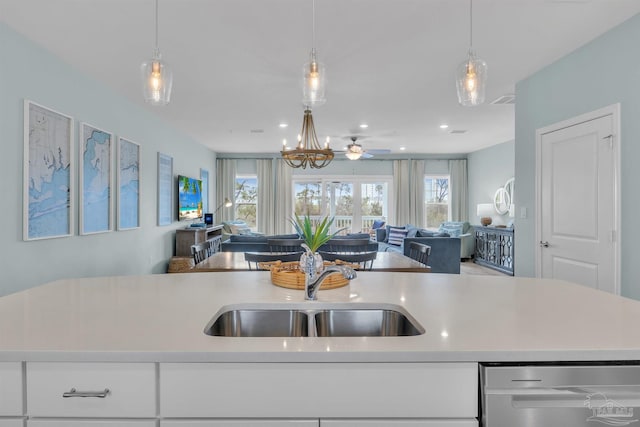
(471, 75)
(313, 72)
(157, 77)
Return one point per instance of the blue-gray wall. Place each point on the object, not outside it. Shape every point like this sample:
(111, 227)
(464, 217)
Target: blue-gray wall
(489, 169)
(605, 71)
(28, 71)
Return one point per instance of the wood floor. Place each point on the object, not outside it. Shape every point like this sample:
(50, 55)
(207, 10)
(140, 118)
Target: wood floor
(470, 267)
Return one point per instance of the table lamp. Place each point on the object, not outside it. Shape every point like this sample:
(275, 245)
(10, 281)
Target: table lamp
(484, 211)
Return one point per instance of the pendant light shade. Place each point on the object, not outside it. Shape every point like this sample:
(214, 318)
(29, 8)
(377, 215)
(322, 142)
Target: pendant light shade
(313, 82)
(157, 77)
(471, 81)
(313, 72)
(471, 75)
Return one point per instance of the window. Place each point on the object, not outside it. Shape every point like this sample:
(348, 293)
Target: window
(436, 197)
(246, 198)
(355, 202)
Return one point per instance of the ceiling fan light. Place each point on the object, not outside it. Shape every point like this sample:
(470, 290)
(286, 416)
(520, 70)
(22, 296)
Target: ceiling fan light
(354, 151)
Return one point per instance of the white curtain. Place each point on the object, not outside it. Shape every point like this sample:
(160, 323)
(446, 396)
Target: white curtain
(416, 199)
(283, 196)
(402, 213)
(458, 189)
(225, 187)
(266, 196)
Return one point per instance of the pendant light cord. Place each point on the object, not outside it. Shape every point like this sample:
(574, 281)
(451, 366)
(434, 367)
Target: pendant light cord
(313, 25)
(470, 24)
(156, 24)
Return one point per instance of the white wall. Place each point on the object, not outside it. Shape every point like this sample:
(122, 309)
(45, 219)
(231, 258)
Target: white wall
(603, 72)
(488, 169)
(28, 71)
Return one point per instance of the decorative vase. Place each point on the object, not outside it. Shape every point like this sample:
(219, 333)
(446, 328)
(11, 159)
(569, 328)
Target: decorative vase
(316, 261)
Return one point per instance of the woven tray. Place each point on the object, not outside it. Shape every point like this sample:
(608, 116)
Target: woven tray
(288, 275)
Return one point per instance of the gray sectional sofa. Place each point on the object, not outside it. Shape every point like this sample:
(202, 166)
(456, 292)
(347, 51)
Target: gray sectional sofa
(446, 251)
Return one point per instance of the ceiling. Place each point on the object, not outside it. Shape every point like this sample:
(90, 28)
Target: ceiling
(390, 63)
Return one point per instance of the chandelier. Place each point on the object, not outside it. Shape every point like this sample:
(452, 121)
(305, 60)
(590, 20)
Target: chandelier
(308, 151)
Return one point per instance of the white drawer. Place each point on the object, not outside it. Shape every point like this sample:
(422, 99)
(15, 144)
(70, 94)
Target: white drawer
(131, 389)
(11, 422)
(89, 423)
(11, 389)
(317, 390)
(240, 423)
(399, 423)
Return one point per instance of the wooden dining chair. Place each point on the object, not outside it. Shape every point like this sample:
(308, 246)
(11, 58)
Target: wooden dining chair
(346, 246)
(420, 252)
(200, 251)
(363, 260)
(255, 258)
(285, 245)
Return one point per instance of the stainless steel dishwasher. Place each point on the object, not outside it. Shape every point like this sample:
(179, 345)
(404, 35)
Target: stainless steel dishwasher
(545, 395)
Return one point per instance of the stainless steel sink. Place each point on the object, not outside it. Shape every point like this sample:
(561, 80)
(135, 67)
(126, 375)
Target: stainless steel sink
(364, 323)
(329, 320)
(260, 323)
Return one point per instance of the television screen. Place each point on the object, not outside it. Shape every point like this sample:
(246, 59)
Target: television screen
(189, 198)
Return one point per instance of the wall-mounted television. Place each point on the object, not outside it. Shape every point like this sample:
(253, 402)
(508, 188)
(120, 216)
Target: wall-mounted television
(189, 198)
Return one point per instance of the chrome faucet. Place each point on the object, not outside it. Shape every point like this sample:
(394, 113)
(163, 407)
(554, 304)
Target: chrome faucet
(313, 280)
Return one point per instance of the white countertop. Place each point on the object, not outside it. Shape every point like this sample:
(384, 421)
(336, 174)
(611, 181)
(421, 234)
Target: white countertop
(466, 318)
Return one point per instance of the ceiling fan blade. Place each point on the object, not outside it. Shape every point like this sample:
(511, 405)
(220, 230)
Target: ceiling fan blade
(366, 155)
(378, 150)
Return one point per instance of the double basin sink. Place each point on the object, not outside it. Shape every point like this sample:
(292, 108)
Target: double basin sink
(330, 320)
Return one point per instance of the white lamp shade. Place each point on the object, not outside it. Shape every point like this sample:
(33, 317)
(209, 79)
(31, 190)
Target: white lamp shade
(485, 210)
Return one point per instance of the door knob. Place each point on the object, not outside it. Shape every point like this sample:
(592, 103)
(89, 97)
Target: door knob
(544, 244)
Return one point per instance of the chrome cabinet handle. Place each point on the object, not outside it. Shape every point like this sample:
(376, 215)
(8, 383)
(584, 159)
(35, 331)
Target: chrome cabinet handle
(544, 244)
(75, 393)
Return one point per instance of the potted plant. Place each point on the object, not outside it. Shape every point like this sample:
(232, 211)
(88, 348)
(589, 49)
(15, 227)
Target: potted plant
(313, 237)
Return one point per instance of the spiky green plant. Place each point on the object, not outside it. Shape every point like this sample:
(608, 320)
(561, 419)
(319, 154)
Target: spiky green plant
(314, 237)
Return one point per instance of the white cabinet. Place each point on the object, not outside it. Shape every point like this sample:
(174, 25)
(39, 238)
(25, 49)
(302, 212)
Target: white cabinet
(241, 423)
(89, 423)
(319, 390)
(11, 389)
(12, 422)
(92, 390)
(399, 423)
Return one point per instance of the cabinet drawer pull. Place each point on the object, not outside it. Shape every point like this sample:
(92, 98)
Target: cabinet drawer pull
(75, 393)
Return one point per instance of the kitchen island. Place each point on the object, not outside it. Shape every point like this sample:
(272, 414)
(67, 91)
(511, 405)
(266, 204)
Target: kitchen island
(144, 336)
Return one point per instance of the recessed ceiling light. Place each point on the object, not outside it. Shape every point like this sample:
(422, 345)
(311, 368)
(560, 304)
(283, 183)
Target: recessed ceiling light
(283, 125)
(403, 148)
(444, 126)
(364, 126)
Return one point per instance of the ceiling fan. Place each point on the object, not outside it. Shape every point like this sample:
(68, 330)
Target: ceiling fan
(355, 151)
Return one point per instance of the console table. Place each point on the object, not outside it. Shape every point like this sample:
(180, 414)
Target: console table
(186, 237)
(494, 248)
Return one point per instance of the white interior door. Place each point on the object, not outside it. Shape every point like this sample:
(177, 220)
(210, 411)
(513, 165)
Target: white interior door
(577, 193)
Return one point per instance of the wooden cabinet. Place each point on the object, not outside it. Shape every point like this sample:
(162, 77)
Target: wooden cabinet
(495, 248)
(186, 237)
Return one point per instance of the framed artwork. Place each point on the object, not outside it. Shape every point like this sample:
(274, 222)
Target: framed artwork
(49, 174)
(128, 184)
(204, 177)
(165, 189)
(96, 180)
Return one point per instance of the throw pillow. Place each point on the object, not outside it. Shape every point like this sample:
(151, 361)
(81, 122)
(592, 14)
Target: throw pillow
(454, 230)
(239, 229)
(377, 224)
(412, 231)
(397, 235)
